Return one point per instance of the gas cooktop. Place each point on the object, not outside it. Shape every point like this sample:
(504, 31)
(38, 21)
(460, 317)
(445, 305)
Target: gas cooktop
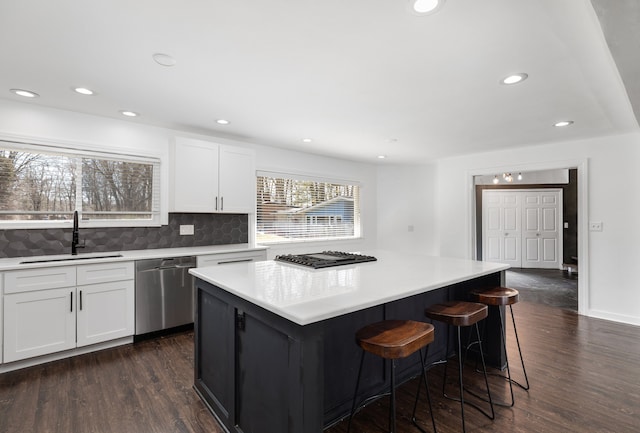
(324, 259)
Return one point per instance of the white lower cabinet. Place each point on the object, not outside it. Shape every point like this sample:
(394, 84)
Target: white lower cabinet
(41, 319)
(106, 311)
(39, 322)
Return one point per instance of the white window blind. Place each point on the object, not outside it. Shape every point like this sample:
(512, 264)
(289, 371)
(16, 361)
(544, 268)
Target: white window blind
(293, 208)
(47, 183)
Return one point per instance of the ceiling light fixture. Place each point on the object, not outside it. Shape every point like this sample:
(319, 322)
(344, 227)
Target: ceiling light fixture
(514, 78)
(425, 7)
(563, 123)
(307, 140)
(222, 122)
(129, 113)
(507, 177)
(164, 59)
(25, 93)
(382, 156)
(83, 91)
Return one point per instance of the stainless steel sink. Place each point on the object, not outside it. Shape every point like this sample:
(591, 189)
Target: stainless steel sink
(72, 258)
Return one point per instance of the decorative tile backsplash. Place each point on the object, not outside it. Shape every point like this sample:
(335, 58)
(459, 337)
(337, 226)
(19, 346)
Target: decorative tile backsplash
(210, 229)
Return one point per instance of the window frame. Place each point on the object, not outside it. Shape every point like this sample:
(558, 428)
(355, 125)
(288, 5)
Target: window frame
(304, 177)
(86, 151)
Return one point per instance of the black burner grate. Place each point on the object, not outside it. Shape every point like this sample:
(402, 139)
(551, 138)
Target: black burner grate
(324, 259)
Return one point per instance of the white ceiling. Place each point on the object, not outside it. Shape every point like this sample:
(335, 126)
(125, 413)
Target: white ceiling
(359, 77)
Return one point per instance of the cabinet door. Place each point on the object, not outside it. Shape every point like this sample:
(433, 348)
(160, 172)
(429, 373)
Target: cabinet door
(105, 312)
(194, 175)
(237, 180)
(39, 322)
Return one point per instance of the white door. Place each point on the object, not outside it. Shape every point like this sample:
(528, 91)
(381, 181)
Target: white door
(194, 176)
(501, 220)
(237, 179)
(541, 234)
(39, 322)
(522, 228)
(106, 311)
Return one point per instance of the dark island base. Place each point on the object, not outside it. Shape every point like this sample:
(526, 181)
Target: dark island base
(259, 372)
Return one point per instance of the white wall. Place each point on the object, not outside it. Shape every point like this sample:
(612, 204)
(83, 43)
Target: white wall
(46, 125)
(613, 290)
(406, 208)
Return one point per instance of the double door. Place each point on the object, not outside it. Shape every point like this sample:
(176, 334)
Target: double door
(522, 228)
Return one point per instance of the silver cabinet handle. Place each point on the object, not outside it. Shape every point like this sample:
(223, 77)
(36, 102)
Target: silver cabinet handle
(221, 203)
(506, 234)
(216, 202)
(235, 261)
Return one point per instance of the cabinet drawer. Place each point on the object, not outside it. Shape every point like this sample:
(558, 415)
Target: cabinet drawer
(105, 272)
(221, 259)
(39, 279)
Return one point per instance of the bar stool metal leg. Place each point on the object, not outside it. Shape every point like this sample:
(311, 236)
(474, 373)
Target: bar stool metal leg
(355, 394)
(391, 340)
(423, 378)
(524, 370)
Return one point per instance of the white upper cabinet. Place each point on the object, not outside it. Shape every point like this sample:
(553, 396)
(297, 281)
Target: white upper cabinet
(237, 180)
(210, 177)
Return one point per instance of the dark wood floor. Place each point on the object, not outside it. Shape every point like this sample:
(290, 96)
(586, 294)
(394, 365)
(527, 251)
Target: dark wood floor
(584, 373)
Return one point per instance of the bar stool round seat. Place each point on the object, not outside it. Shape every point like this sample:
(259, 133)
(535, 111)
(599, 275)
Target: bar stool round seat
(497, 296)
(502, 297)
(462, 314)
(391, 340)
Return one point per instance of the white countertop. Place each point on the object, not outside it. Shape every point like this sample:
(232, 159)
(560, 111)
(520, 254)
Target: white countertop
(15, 263)
(303, 295)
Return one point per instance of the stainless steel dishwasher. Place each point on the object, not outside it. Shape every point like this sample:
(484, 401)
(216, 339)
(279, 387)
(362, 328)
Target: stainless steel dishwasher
(164, 293)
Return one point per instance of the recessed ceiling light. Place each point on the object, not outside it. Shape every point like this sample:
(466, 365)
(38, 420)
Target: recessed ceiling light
(25, 93)
(425, 7)
(83, 91)
(382, 156)
(129, 113)
(222, 122)
(307, 140)
(164, 59)
(515, 78)
(563, 123)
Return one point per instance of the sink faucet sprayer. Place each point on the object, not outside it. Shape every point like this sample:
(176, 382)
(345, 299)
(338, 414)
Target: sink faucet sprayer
(75, 242)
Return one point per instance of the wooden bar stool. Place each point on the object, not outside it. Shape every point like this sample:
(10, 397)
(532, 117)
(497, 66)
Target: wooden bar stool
(500, 297)
(462, 314)
(394, 339)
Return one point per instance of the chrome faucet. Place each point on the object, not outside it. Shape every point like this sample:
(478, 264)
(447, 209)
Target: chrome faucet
(75, 241)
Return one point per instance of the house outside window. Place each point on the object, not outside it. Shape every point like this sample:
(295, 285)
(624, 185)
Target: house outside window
(41, 186)
(292, 208)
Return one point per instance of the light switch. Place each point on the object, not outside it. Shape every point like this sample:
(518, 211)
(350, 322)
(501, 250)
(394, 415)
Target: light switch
(186, 229)
(566, 225)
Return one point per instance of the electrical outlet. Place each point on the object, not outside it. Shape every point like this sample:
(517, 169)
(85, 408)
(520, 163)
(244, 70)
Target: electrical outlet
(595, 226)
(186, 229)
(566, 225)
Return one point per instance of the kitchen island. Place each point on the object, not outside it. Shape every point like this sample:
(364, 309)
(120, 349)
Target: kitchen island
(274, 342)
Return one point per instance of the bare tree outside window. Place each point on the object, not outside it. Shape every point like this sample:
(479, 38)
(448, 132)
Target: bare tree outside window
(39, 186)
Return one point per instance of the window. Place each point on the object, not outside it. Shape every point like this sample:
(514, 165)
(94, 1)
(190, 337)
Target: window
(40, 184)
(293, 208)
